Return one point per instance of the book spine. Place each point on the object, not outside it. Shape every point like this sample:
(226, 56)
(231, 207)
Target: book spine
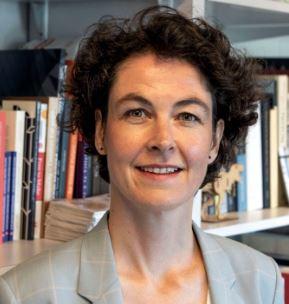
(254, 167)
(7, 168)
(58, 156)
(242, 184)
(265, 134)
(12, 194)
(2, 167)
(35, 122)
(284, 165)
(27, 175)
(71, 163)
(51, 141)
(64, 151)
(40, 173)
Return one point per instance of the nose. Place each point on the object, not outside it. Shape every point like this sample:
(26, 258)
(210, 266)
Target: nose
(162, 138)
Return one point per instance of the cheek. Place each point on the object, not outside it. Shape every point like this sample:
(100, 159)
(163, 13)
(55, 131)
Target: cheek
(121, 145)
(198, 153)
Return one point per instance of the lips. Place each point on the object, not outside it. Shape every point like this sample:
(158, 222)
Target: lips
(159, 169)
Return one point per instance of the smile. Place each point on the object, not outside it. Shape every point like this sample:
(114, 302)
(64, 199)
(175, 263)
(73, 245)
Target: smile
(156, 170)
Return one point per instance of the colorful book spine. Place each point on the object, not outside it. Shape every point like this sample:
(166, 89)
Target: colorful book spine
(39, 209)
(2, 168)
(71, 162)
(81, 172)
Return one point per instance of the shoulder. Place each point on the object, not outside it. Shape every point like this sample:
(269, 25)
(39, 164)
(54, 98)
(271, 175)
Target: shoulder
(242, 255)
(253, 269)
(55, 267)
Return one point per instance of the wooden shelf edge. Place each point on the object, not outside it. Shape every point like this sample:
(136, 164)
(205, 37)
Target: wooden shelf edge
(251, 221)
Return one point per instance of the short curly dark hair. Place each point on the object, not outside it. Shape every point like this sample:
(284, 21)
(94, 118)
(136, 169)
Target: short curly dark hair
(231, 75)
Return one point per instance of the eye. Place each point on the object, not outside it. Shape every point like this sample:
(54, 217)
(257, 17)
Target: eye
(188, 117)
(136, 113)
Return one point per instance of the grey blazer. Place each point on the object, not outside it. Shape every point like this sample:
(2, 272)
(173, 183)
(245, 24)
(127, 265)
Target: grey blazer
(83, 271)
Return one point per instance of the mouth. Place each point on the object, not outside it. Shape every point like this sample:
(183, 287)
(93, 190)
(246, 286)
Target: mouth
(160, 170)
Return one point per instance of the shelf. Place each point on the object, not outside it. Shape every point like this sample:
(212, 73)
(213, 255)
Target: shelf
(269, 5)
(250, 221)
(244, 20)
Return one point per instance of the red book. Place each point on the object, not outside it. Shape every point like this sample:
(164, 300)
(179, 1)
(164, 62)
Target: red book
(2, 163)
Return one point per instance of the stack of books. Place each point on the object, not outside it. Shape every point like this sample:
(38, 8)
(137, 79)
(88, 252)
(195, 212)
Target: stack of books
(67, 220)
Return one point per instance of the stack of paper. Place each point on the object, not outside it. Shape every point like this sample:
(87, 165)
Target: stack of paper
(69, 219)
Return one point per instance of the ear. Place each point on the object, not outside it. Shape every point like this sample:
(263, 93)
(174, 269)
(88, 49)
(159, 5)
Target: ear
(99, 133)
(217, 136)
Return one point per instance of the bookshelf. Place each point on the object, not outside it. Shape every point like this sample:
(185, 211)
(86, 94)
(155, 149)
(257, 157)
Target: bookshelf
(243, 20)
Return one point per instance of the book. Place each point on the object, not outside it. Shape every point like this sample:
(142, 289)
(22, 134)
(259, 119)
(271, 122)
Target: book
(254, 166)
(81, 170)
(6, 199)
(31, 138)
(12, 195)
(71, 161)
(2, 168)
(51, 149)
(282, 101)
(39, 208)
(66, 220)
(266, 105)
(284, 164)
(242, 184)
(62, 151)
(15, 124)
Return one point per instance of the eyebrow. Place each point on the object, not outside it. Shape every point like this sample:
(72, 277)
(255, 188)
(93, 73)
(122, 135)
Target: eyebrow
(145, 102)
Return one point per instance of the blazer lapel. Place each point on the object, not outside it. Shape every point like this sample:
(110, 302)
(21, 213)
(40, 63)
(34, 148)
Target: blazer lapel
(98, 279)
(220, 273)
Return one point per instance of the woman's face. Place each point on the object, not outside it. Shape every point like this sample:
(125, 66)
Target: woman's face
(158, 136)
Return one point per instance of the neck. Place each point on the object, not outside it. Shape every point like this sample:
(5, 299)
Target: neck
(151, 244)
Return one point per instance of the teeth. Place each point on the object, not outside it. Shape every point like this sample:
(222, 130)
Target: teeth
(159, 170)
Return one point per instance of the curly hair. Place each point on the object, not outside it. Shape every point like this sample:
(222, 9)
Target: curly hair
(231, 76)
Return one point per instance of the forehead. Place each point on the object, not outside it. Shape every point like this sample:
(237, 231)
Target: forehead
(159, 77)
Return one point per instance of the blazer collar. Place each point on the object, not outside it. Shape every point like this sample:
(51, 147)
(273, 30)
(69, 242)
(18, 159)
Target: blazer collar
(221, 275)
(99, 282)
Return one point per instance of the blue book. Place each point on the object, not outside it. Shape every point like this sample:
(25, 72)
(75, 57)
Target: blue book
(241, 186)
(4, 197)
(12, 194)
(7, 196)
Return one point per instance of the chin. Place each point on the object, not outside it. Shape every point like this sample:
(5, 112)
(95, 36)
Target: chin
(157, 204)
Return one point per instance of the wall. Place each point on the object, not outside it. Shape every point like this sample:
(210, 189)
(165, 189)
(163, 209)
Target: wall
(13, 24)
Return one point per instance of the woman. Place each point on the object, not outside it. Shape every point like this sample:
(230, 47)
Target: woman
(164, 102)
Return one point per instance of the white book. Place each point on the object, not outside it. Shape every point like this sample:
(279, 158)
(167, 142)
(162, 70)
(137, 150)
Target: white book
(197, 206)
(51, 142)
(15, 125)
(254, 166)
